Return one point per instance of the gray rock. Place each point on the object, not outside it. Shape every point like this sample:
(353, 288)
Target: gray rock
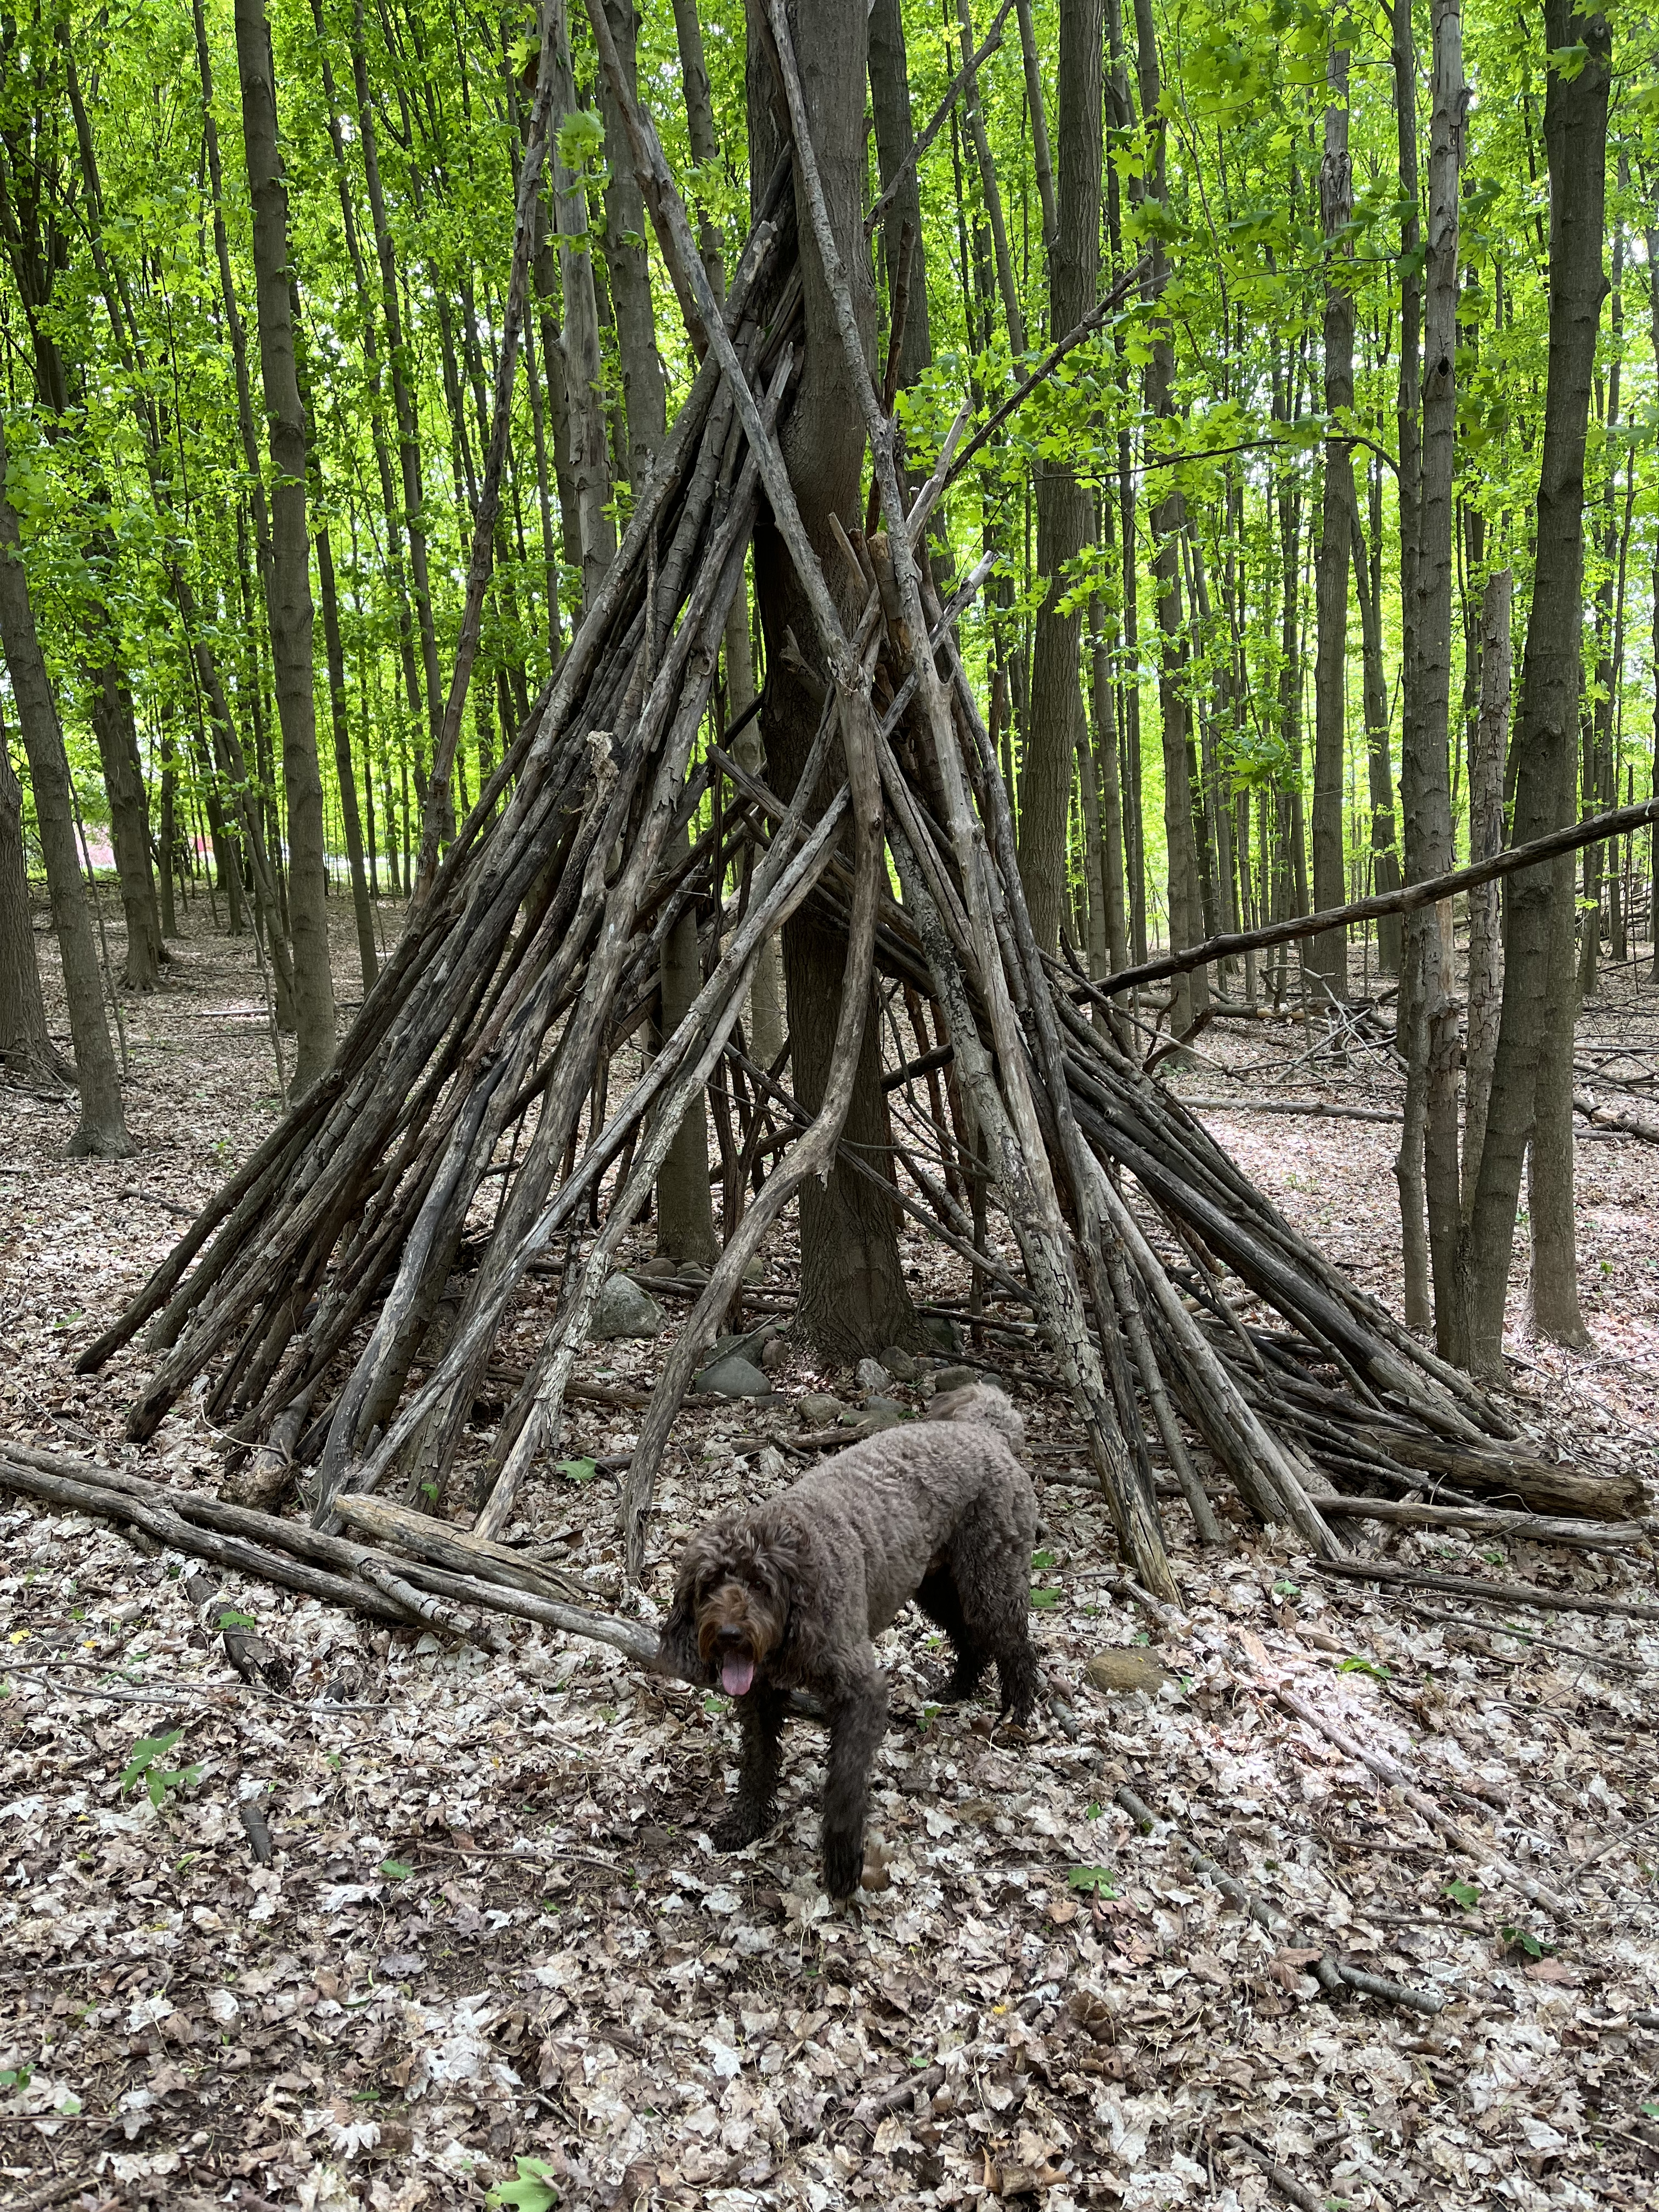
(1121, 1672)
(661, 1265)
(732, 1377)
(873, 1376)
(774, 1355)
(943, 1332)
(692, 1271)
(899, 1364)
(755, 1271)
(818, 1408)
(879, 1413)
(622, 1308)
(750, 1345)
(957, 1378)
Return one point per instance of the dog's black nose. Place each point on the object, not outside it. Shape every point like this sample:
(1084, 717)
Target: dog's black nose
(729, 1638)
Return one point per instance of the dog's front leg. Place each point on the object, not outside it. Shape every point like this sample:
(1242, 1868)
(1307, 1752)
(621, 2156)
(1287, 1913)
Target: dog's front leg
(760, 1716)
(858, 1720)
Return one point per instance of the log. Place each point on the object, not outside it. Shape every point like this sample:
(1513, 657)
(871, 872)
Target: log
(1535, 1482)
(1503, 1594)
(1490, 1520)
(443, 1544)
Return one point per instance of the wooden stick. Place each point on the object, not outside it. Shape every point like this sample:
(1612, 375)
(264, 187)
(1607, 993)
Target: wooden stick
(1526, 1594)
(1331, 1973)
(178, 1534)
(1491, 1520)
(446, 1546)
(1616, 824)
(1387, 1770)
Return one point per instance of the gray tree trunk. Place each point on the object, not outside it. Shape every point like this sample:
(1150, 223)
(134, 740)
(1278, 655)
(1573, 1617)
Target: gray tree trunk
(1058, 735)
(590, 463)
(1189, 994)
(1487, 763)
(1531, 1077)
(102, 1128)
(1385, 858)
(368, 960)
(854, 1298)
(27, 1050)
(1326, 958)
(645, 396)
(289, 583)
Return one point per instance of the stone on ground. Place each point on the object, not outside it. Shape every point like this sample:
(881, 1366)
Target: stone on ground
(622, 1308)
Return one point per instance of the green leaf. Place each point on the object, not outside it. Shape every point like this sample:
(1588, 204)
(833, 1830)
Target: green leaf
(1463, 1893)
(1044, 1601)
(1356, 1665)
(396, 1869)
(577, 1470)
(581, 138)
(145, 1753)
(1569, 61)
(532, 2191)
(1522, 1939)
(1287, 1589)
(1097, 1880)
(229, 1619)
(1042, 1559)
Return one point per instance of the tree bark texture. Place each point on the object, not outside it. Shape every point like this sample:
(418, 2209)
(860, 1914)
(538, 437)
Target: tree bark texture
(1531, 1075)
(289, 585)
(1059, 730)
(1487, 756)
(645, 396)
(854, 1299)
(101, 1129)
(590, 465)
(27, 1050)
(1327, 957)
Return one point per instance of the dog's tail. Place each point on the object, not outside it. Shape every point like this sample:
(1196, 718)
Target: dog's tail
(983, 1403)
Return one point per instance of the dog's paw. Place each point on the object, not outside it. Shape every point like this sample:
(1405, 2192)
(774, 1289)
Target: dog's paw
(843, 1864)
(740, 1827)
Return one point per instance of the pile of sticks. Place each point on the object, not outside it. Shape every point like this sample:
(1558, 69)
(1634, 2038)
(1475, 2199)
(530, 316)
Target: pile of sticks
(468, 1115)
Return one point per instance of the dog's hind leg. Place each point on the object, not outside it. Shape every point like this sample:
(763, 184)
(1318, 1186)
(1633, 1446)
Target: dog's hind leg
(858, 1720)
(760, 1714)
(938, 1599)
(991, 1568)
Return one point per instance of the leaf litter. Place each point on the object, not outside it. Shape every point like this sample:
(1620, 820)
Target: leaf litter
(494, 1956)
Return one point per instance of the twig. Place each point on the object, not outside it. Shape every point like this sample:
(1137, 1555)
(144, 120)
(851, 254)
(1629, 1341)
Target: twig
(1320, 1110)
(1331, 1973)
(1388, 1769)
(1282, 2179)
(1491, 1520)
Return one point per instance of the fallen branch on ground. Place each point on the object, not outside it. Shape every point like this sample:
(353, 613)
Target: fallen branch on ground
(1332, 1974)
(1527, 1594)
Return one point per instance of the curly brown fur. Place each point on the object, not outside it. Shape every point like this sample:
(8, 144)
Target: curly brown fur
(790, 1596)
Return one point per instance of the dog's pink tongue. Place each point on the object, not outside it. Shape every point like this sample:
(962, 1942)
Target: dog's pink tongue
(736, 1675)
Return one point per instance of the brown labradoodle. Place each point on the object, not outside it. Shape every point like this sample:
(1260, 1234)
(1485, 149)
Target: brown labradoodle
(788, 1597)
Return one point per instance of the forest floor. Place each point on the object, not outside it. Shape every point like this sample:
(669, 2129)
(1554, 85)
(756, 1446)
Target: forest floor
(495, 1946)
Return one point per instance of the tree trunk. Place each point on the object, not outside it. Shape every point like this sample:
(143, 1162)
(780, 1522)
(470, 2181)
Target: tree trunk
(1532, 1077)
(367, 960)
(644, 395)
(1190, 994)
(1059, 730)
(853, 1299)
(290, 583)
(590, 468)
(27, 1050)
(1385, 860)
(1327, 957)
(1107, 750)
(1601, 790)
(101, 1129)
(1485, 975)
(890, 103)
(1425, 770)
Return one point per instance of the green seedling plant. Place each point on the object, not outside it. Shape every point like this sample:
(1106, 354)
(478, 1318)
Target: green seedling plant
(1093, 1880)
(1356, 1665)
(532, 2191)
(1463, 1894)
(146, 1765)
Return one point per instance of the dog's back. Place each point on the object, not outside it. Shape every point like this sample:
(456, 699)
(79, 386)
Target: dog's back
(884, 1511)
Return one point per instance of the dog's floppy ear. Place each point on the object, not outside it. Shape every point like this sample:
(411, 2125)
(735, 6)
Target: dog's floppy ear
(676, 1645)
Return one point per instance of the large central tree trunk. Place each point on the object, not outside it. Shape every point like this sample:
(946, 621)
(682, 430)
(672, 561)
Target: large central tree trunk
(1059, 732)
(853, 1297)
(1532, 1079)
(290, 580)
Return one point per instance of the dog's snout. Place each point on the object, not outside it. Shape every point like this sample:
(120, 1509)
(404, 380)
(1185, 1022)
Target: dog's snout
(729, 1638)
